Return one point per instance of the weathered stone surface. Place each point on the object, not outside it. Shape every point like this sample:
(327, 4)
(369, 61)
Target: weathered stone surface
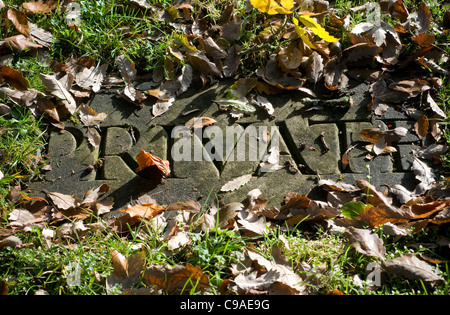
(72, 157)
(358, 156)
(313, 135)
(118, 140)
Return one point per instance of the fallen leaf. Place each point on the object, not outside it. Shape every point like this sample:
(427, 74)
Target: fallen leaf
(424, 175)
(251, 224)
(14, 78)
(264, 103)
(39, 7)
(176, 279)
(241, 106)
(272, 7)
(352, 209)
(392, 135)
(264, 274)
(93, 136)
(19, 20)
(403, 195)
(423, 39)
(317, 29)
(90, 118)
(412, 268)
(199, 122)
(55, 87)
(126, 271)
(432, 151)
(21, 43)
(160, 107)
(314, 67)
(420, 20)
(91, 196)
(236, 183)
(421, 126)
(91, 78)
(146, 160)
(63, 201)
(213, 50)
(201, 63)
(433, 106)
(366, 242)
(126, 67)
(133, 95)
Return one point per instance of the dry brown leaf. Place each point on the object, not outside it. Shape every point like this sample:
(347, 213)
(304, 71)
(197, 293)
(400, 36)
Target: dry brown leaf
(126, 272)
(19, 20)
(153, 164)
(421, 126)
(40, 7)
(14, 78)
(314, 67)
(236, 183)
(366, 242)
(265, 274)
(201, 63)
(56, 88)
(91, 196)
(48, 107)
(126, 67)
(211, 48)
(160, 107)
(90, 118)
(424, 40)
(392, 135)
(424, 175)
(20, 43)
(63, 201)
(199, 122)
(290, 58)
(177, 278)
(411, 267)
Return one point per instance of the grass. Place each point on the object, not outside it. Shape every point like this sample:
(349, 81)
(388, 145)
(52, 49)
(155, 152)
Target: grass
(333, 264)
(21, 150)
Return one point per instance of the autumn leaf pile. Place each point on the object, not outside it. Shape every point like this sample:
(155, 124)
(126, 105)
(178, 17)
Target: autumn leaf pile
(393, 50)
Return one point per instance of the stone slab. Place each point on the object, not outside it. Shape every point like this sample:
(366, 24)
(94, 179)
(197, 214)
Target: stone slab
(313, 136)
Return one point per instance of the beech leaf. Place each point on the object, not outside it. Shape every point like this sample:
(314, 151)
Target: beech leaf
(126, 67)
(236, 183)
(177, 278)
(54, 87)
(19, 20)
(412, 268)
(366, 242)
(146, 160)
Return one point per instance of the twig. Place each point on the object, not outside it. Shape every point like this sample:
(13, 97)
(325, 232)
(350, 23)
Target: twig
(326, 148)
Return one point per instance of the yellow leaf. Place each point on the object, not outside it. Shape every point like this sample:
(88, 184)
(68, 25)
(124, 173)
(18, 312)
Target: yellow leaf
(272, 7)
(302, 33)
(183, 40)
(317, 29)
